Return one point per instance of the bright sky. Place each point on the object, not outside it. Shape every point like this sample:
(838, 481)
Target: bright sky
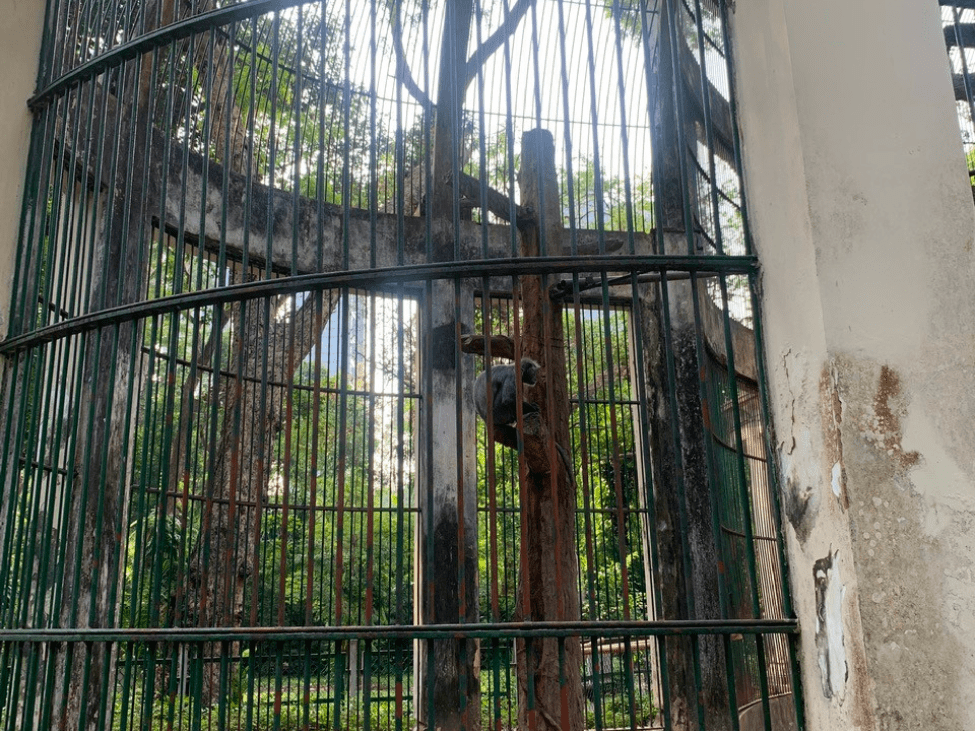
(592, 98)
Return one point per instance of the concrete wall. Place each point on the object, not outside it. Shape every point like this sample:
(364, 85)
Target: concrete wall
(863, 217)
(20, 39)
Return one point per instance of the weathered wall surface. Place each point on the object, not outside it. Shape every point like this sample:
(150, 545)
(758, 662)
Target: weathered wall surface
(20, 39)
(862, 214)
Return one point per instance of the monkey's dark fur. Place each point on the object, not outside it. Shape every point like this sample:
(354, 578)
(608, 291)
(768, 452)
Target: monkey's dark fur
(503, 391)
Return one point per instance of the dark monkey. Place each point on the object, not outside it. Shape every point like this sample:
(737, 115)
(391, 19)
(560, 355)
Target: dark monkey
(504, 394)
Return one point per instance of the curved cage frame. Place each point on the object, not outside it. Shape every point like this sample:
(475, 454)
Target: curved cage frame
(244, 483)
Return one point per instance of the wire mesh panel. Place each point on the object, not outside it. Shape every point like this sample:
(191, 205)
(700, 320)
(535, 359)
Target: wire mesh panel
(388, 365)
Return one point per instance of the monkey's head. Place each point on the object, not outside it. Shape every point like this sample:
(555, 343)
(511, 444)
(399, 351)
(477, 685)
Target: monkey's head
(529, 371)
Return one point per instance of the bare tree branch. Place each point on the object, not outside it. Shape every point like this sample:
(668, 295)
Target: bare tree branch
(497, 202)
(480, 56)
(403, 72)
(501, 346)
(494, 41)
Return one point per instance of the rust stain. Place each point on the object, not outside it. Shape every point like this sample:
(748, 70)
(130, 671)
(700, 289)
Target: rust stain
(887, 419)
(831, 413)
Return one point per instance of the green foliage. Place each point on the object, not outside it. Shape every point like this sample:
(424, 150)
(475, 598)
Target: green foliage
(607, 485)
(158, 544)
(970, 158)
(605, 202)
(615, 712)
(498, 537)
(502, 705)
(311, 540)
(306, 123)
(268, 706)
(501, 162)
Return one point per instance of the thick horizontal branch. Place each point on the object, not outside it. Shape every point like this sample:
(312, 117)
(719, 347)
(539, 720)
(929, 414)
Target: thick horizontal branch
(223, 209)
(501, 346)
(496, 202)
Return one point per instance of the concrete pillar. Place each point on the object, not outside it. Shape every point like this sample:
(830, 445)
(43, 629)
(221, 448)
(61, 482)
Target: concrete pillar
(446, 539)
(862, 214)
(20, 38)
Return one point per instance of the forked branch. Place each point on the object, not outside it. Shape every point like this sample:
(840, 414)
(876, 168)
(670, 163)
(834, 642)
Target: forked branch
(487, 49)
(494, 41)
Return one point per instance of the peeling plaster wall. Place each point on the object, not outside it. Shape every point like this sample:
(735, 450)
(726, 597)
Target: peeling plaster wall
(20, 39)
(862, 215)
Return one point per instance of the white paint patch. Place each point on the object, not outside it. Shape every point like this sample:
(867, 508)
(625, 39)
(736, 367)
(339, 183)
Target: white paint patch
(834, 633)
(837, 475)
(831, 651)
(824, 668)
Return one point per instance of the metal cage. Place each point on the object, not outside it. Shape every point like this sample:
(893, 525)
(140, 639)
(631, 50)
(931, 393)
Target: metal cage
(266, 248)
(958, 23)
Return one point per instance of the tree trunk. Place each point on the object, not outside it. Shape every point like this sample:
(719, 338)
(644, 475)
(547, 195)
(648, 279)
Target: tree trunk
(97, 493)
(226, 554)
(688, 557)
(549, 677)
(446, 680)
